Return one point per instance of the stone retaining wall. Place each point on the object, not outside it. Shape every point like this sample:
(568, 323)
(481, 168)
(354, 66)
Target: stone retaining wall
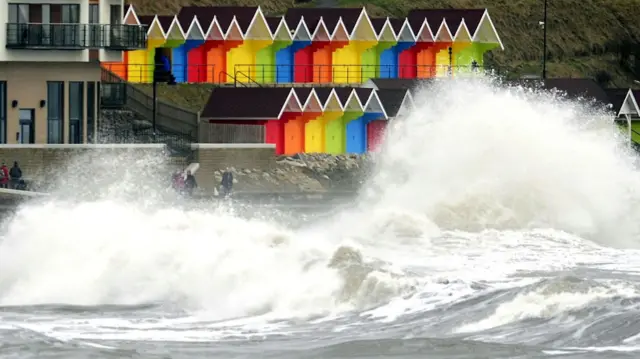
(214, 157)
(46, 163)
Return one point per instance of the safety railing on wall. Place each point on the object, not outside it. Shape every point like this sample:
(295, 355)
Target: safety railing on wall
(168, 116)
(295, 73)
(349, 74)
(143, 73)
(178, 144)
(232, 133)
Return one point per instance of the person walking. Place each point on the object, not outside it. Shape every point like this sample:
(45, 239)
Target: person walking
(227, 183)
(4, 176)
(190, 183)
(15, 175)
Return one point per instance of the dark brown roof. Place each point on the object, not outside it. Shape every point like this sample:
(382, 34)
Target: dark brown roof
(293, 17)
(397, 24)
(573, 88)
(453, 17)
(363, 94)
(224, 14)
(472, 18)
(244, 14)
(343, 94)
(186, 15)
(636, 95)
(434, 17)
(303, 94)
(205, 17)
(576, 88)
(330, 17)
(401, 84)
(378, 23)
(323, 94)
(245, 102)
(391, 100)
(417, 17)
(146, 20)
(617, 97)
(165, 22)
(186, 20)
(415, 22)
(273, 22)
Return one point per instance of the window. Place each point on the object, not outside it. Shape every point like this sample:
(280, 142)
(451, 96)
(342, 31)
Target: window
(71, 32)
(70, 13)
(94, 25)
(55, 112)
(76, 111)
(3, 112)
(45, 13)
(115, 16)
(18, 13)
(94, 13)
(91, 111)
(35, 13)
(26, 126)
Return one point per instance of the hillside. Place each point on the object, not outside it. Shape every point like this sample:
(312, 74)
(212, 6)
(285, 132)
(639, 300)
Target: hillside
(586, 38)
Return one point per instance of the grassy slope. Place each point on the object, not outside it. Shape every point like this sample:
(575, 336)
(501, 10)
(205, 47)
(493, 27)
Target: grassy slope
(583, 35)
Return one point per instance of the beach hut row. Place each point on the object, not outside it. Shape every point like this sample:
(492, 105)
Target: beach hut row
(621, 103)
(214, 44)
(313, 120)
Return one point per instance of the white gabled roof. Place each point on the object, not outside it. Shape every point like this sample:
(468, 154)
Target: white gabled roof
(292, 96)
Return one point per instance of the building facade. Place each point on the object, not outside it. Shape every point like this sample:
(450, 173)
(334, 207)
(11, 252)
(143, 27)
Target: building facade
(50, 54)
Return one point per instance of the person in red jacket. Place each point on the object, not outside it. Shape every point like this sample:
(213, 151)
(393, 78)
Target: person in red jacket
(4, 173)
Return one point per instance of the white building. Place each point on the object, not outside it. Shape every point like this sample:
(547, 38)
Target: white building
(50, 54)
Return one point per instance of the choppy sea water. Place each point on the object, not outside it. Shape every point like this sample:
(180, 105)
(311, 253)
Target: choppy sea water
(480, 235)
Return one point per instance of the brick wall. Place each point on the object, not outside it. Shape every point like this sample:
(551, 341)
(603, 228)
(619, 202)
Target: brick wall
(217, 156)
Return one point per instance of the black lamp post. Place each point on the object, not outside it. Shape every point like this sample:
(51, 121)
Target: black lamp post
(450, 61)
(155, 102)
(160, 75)
(544, 42)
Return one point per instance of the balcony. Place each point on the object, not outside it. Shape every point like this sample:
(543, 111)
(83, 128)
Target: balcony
(124, 37)
(119, 37)
(75, 36)
(46, 36)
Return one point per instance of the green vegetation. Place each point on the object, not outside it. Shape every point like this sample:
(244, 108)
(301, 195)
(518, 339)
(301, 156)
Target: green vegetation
(191, 97)
(586, 38)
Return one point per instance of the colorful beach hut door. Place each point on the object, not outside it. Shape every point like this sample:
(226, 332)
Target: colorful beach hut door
(375, 134)
(337, 129)
(293, 120)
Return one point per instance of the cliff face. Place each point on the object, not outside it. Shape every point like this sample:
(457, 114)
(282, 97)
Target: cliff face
(586, 38)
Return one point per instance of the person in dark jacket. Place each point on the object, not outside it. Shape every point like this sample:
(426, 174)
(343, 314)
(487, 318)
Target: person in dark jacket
(16, 174)
(227, 183)
(190, 183)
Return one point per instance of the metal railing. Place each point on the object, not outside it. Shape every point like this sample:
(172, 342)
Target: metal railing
(178, 144)
(170, 117)
(338, 73)
(113, 95)
(232, 133)
(250, 81)
(122, 37)
(143, 73)
(274, 74)
(75, 36)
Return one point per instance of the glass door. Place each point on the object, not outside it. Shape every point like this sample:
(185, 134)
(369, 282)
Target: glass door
(27, 135)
